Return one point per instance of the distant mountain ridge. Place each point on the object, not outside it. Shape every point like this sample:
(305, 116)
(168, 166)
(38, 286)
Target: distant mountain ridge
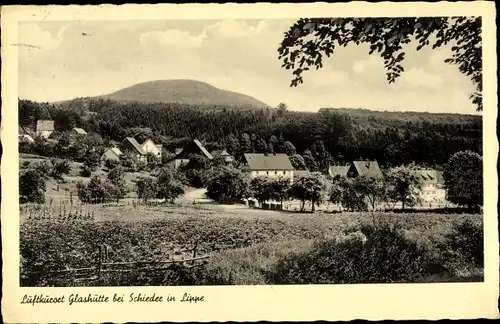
(181, 91)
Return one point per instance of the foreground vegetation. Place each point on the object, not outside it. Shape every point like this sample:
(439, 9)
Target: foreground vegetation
(258, 247)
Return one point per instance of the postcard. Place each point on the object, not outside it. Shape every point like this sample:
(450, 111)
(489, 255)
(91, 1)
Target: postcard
(246, 162)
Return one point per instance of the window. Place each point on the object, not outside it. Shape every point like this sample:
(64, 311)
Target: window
(267, 172)
(275, 172)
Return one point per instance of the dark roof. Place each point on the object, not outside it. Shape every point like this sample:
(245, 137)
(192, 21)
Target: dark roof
(430, 176)
(193, 146)
(338, 170)
(135, 145)
(259, 161)
(44, 125)
(368, 169)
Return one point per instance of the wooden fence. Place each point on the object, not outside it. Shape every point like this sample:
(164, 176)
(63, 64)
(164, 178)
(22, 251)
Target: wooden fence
(102, 265)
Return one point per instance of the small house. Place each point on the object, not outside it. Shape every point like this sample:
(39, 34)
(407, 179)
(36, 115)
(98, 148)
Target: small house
(273, 166)
(130, 146)
(223, 154)
(338, 170)
(44, 128)
(24, 136)
(113, 153)
(76, 131)
(432, 185)
(368, 169)
(150, 147)
(192, 147)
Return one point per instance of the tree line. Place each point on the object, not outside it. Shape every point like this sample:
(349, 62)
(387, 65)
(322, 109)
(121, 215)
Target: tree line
(330, 136)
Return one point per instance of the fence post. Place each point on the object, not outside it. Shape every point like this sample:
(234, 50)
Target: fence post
(194, 251)
(99, 262)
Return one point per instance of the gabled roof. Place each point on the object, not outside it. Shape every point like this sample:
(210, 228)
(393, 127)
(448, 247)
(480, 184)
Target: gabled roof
(80, 131)
(44, 125)
(259, 161)
(133, 143)
(116, 150)
(338, 170)
(430, 176)
(203, 149)
(368, 169)
(195, 147)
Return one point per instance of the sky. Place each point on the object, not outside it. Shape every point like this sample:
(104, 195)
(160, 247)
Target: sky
(61, 63)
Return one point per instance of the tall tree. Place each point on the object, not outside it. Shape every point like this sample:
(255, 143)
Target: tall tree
(308, 40)
(463, 179)
(403, 185)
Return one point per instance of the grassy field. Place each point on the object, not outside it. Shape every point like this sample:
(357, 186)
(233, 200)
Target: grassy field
(245, 246)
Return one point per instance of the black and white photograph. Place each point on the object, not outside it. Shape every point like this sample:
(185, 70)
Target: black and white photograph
(262, 151)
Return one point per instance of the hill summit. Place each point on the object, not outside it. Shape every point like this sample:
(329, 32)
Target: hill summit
(184, 92)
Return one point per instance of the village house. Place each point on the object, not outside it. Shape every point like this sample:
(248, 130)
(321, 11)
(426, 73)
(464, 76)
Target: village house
(273, 166)
(192, 147)
(224, 155)
(338, 170)
(24, 136)
(432, 186)
(368, 169)
(150, 147)
(130, 146)
(113, 154)
(76, 131)
(44, 128)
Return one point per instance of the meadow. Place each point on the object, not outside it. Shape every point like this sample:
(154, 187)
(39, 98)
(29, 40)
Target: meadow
(252, 246)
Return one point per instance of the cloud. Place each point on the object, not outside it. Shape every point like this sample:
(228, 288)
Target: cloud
(31, 34)
(170, 38)
(236, 55)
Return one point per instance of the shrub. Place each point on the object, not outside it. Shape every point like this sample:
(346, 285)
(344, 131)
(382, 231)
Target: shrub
(25, 164)
(32, 187)
(377, 253)
(227, 185)
(59, 168)
(111, 163)
(85, 172)
(43, 168)
(465, 244)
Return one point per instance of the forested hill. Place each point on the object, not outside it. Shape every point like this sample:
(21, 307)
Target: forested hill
(183, 92)
(329, 136)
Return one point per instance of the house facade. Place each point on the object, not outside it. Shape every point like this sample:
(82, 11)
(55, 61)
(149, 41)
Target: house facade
(432, 186)
(150, 147)
(273, 166)
(113, 153)
(369, 169)
(192, 147)
(44, 128)
(132, 147)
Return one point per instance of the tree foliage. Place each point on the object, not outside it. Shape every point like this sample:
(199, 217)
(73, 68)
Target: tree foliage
(32, 187)
(404, 186)
(463, 179)
(227, 185)
(310, 188)
(309, 40)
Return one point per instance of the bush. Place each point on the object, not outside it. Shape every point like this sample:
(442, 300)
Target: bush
(60, 167)
(85, 172)
(227, 185)
(32, 187)
(111, 163)
(25, 164)
(465, 244)
(377, 253)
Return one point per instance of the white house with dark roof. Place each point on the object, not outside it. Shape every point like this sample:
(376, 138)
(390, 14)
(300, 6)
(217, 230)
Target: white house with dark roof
(273, 166)
(130, 146)
(150, 147)
(44, 128)
(432, 185)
